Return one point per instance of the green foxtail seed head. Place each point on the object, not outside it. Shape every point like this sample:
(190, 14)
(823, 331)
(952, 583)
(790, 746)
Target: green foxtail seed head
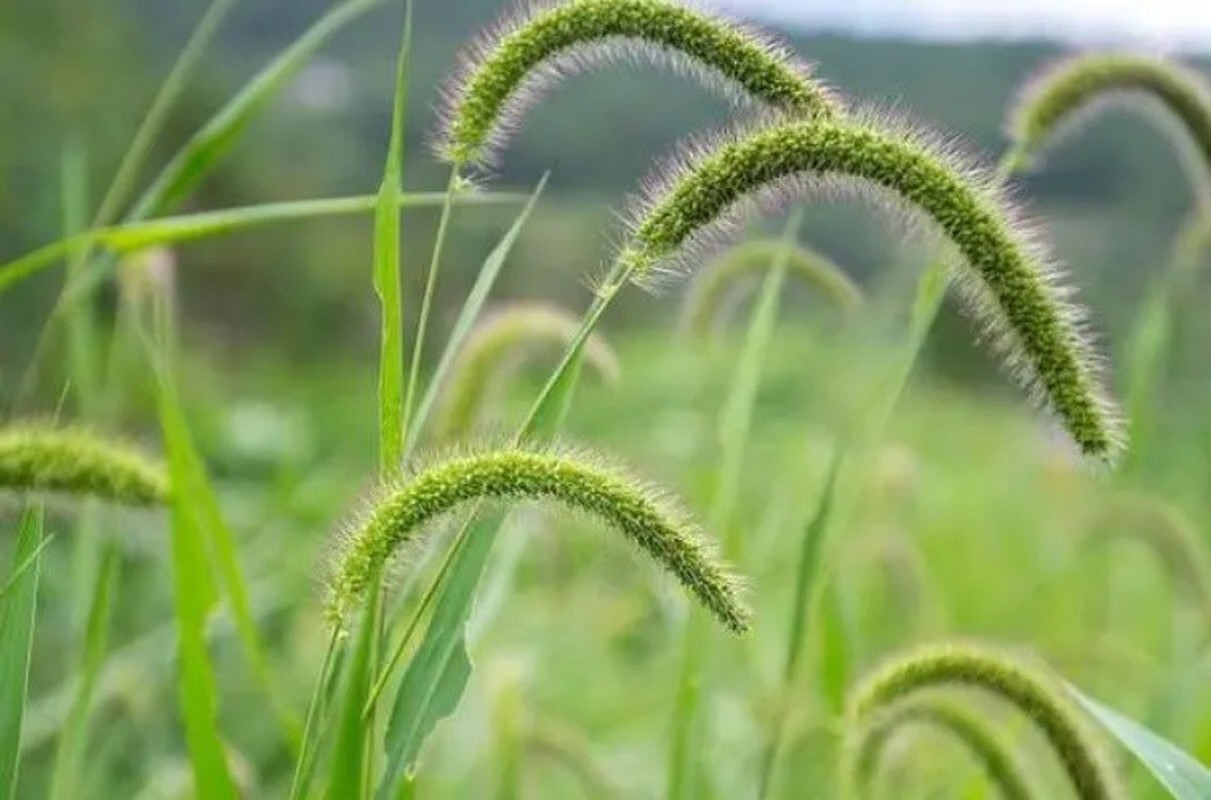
(36, 457)
(1167, 532)
(1063, 94)
(711, 288)
(507, 69)
(498, 346)
(404, 510)
(1004, 271)
(867, 745)
(1030, 691)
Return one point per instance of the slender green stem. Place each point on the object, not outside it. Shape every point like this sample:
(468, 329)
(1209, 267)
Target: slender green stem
(313, 720)
(422, 323)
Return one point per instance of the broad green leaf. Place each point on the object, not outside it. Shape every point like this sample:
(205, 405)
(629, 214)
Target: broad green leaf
(469, 314)
(1181, 775)
(17, 609)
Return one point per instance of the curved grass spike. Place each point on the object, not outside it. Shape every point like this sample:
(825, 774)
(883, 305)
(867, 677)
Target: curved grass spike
(38, 457)
(1164, 530)
(868, 744)
(1061, 94)
(1029, 690)
(504, 72)
(576, 480)
(495, 349)
(712, 287)
(1004, 270)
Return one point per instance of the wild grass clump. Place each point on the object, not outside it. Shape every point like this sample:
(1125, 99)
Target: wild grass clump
(719, 280)
(577, 480)
(1010, 279)
(1056, 101)
(498, 347)
(73, 460)
(508, 68)
(1029, 690)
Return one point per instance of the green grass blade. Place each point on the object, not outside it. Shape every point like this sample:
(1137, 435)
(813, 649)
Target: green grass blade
(208, 146)
(345, 777)
(469, 314)
(1179, 772)
(387, 267)
(17, 609)
(172, 230)
(73, 739)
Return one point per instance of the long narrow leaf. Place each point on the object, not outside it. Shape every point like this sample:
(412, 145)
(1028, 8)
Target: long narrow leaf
(1179, 772)
(204, 150)
(17, 609)
(133, 236)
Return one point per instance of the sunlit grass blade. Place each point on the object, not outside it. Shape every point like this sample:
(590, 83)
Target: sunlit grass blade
(207, 147)
(392, 432)
(172, 230)
(17, 606)
(1179, 772)
(469, 314)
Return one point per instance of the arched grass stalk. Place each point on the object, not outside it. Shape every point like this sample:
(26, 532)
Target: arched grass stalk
(575, 480)
(505, 72)
(713, 286)
(1167, 533)
(1013, 288)
(1066, 93)
(867, 744)
(1028, 690)
(39, 457)
(498, 346)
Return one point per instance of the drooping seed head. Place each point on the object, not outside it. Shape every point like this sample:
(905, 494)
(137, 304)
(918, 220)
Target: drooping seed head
(505, 72)
(1029, 690)
(1063, 94)
(404, 510)
(39, 457)
(1164, 530)
(1003, 270)
(710, 290)
(867, 744)
(496, 349)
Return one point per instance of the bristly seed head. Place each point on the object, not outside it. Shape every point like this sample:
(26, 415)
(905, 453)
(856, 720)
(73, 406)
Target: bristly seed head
(509, 67)
(1065, 92)
(1003, 270)
(710, 290)
(39, 457)
(574, 480)
(495, 349)
(1029, 690)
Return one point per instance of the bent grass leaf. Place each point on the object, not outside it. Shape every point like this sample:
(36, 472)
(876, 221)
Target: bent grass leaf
(17, 607)
(1179, 772)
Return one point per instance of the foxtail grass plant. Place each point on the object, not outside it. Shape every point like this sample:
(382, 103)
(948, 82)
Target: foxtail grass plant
(1064, 96)
(1006, 274)
(578, 481)
(1040, 698)
(499, 344)
(506, 71)
(716, 283)
(73, 460)
(868, 746)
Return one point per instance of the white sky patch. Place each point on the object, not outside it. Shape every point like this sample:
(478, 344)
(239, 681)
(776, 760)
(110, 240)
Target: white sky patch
(1158, 25)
